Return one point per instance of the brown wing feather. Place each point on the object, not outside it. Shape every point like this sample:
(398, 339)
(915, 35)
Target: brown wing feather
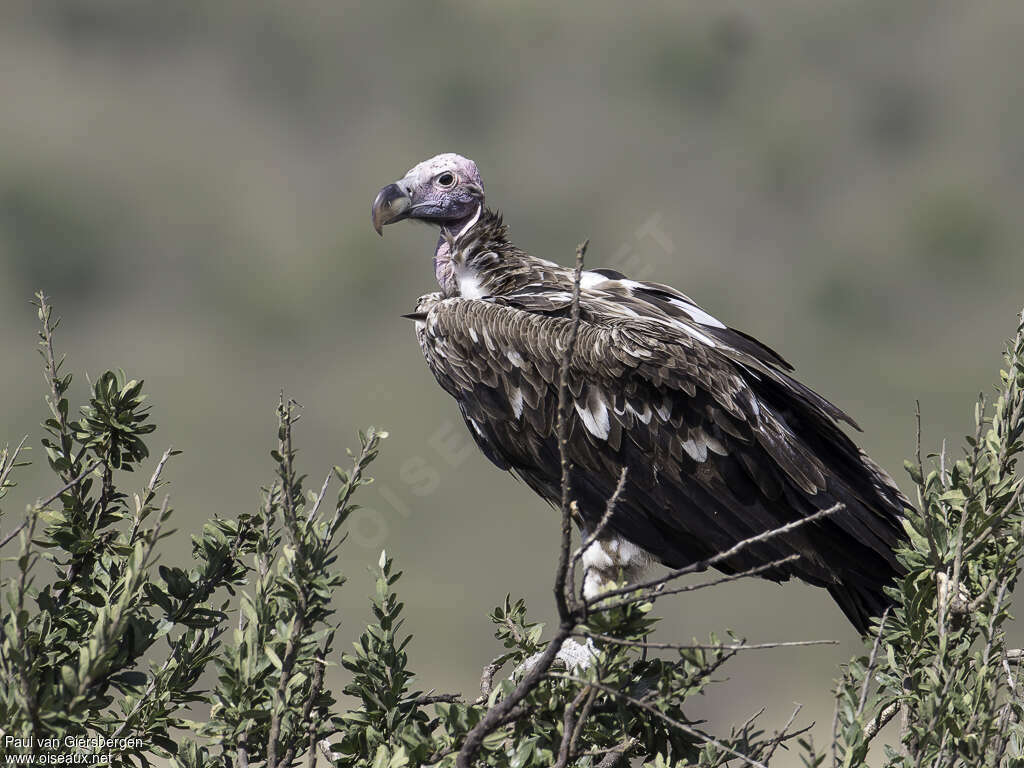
(717, 451)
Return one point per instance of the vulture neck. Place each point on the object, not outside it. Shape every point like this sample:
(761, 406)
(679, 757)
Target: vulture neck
(468, 254)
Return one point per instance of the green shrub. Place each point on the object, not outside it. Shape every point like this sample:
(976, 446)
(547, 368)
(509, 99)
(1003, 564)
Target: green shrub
(99, 645)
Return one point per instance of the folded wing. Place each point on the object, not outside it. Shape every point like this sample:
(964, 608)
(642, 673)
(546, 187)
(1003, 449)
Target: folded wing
(719, 441)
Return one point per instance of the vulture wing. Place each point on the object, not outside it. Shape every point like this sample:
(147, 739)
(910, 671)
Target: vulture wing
(720, 443)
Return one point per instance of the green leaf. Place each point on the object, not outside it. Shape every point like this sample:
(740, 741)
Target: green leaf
(274, 658)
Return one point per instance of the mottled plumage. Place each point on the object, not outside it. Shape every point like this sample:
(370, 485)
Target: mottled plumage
(721, 443)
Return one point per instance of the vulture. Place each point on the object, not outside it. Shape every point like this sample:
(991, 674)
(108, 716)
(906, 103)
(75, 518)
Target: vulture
(720, 441)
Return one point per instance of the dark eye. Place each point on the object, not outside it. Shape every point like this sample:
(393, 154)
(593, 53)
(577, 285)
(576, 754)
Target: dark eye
(446, 179)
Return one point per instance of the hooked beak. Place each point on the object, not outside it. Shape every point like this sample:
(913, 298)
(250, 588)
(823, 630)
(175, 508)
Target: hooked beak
(392, 204)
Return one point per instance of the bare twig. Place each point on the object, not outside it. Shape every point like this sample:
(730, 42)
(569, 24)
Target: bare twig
(315, 688)
(835, 724)
(69, 485)
(613, 756)
(563, 598)
(8, 461)
(881, 720)
(320, 496)
(783, 735)
(438, 698)
(594, 535)
(487, 678)
(29, 691)
(703, 646)
(701, 565)
(298, 630)
(325, 749)
(14, 532)
(569, 731)
(642, 595)
(872, 659)
(703, 737)
(588, 705)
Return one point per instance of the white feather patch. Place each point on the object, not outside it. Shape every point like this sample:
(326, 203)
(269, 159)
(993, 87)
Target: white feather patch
(714, 445)
(603, 560)
(470, 286)
(698, 314)
(664, 410)
(644, 415)
(698, 335)
(516, 399)
(696, 448)
(472, 221)
(595, 416)
(595, 556)
(591, 279)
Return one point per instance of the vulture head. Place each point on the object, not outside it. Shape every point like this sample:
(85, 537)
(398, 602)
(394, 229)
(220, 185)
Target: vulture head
(445, 190)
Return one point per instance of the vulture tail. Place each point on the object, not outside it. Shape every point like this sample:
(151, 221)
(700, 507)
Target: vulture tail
(860, 603)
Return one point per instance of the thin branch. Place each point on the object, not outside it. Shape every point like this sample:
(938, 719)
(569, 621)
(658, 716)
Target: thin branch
(438, 698)
(487, 678)
(298, 624)
(591, 538)
(613, 756)
(14, 532)
(644, 594)
(872, 660)
(494, 716)
(703, 737)
(325, 748)
(588, 705)
(9, 462)
(315, 688)
(564, 599)
(69, 485)
(29, 690)
(320, 496)
(703, 646)
(836, 696)
(783, 735)
(569, 731)
(881, 720)
(701, 565)
(346, 495)
(606, 517)
(298, 629)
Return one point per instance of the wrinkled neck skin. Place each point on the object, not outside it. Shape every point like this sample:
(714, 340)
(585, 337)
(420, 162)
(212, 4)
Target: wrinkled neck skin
(444, 266)
(444, 270)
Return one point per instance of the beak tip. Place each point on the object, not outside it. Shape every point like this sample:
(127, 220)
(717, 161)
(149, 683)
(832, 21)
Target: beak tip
(391, 204)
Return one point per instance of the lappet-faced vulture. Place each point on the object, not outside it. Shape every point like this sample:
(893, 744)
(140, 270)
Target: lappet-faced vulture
(720, 442)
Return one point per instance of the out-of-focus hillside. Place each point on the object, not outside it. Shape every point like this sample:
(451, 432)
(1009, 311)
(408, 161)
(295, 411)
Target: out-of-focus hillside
(191, 183)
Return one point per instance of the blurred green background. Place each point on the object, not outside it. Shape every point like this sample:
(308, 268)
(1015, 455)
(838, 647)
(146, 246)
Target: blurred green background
(191, 183)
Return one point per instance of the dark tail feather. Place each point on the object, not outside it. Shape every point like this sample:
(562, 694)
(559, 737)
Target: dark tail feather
(860, 603)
